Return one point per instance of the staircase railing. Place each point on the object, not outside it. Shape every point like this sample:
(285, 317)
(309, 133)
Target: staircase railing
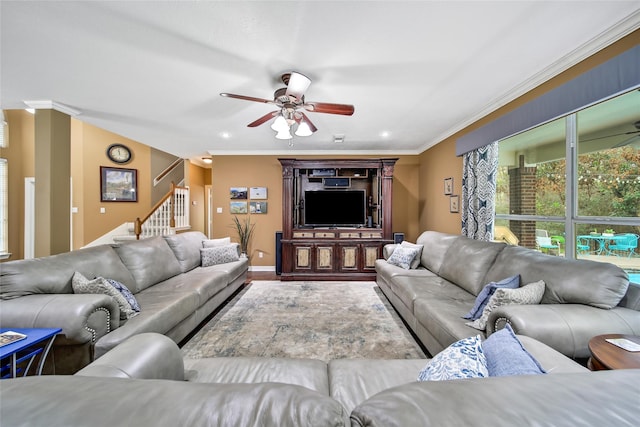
(171, 213)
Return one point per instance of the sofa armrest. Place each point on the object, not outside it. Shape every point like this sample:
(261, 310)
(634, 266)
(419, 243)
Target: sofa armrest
(84, 318)
(565, 327)
(143, 356)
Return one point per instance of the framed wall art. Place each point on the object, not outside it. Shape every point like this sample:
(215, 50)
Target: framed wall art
(258, 207)
(118, 184)
(258, 193)
(238, 207)
(239, 193)
(454, 204)
(448, 186)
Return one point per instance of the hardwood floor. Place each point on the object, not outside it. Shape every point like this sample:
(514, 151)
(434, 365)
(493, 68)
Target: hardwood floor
(262, 275)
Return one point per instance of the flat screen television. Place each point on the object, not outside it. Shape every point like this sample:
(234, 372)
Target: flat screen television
(335, 208)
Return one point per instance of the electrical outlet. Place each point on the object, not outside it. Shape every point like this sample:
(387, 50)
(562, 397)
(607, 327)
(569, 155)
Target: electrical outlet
(103, 210)
(219, 210)
(260, 254)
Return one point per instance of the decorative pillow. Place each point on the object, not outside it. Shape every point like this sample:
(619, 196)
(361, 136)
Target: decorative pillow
(82, 285)
(528, 294)
(402, 257)
(216, 242)
(506, 355)
(416, 259)
(462, 359)
(487, 292)
(126, 293)
(219, 254)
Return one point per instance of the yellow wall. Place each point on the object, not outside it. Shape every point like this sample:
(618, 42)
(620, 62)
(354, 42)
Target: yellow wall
(266, 171)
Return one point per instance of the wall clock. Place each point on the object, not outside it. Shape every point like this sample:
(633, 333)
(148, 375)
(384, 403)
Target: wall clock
(119, 153)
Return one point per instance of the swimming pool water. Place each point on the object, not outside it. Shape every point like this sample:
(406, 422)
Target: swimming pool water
(634, 277)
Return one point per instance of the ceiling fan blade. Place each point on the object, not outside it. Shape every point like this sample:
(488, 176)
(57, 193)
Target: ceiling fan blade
(306, 119)
(297, 85)
(247, 98)
(263, 119)
(324, 107)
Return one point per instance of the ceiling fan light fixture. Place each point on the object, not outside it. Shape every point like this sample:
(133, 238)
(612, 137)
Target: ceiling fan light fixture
(280, 124)
(284, 134)
(297, 85)
(303, 129)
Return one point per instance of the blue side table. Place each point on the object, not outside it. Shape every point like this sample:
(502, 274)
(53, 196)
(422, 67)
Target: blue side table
(26, 349)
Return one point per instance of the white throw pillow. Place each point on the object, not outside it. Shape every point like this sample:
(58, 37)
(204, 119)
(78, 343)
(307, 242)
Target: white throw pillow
(416, 260)
(402, 257)
(528, 294)
(216, 242)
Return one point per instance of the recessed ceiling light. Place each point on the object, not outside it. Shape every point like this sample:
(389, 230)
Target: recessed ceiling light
(225, 135)
(384, 134)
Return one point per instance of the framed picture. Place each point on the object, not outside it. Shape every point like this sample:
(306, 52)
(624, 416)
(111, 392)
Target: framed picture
(258, 207)
(238, 193)
(258, 193)
(238, 207)
(448, 186)
(454, 204)
(118, 184)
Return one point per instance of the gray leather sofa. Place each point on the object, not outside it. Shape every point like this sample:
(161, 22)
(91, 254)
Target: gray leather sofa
(174, 292)
(582, 298)
(145, 382)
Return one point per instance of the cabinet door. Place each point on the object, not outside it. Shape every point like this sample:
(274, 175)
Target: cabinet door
(349, 257)
(370, 253)
(302, 257)
(324, 257)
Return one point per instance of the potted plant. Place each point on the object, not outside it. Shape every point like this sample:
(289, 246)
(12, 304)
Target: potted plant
(245, 232)
(608, 232)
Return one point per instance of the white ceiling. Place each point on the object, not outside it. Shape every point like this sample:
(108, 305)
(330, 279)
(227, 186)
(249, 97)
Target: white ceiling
(416, 71)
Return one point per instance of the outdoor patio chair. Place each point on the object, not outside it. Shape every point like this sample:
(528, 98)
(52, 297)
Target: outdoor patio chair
(629, 244)
(544, 244)
(582, 246)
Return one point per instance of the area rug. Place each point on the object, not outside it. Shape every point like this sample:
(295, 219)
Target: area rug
(320, 320)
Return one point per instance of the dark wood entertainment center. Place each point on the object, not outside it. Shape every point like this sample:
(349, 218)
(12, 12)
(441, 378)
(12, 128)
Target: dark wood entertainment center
(344, 251)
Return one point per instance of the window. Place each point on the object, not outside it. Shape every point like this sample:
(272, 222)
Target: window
(576, 180)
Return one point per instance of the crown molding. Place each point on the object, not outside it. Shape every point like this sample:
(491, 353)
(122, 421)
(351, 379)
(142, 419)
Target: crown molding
(52, 105)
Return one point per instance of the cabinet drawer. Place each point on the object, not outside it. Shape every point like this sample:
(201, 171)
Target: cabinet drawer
(325, 235)
(349, 235)
(371, 235)
(302, 234)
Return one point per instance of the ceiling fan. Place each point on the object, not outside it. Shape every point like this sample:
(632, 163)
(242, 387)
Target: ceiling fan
(290, 101)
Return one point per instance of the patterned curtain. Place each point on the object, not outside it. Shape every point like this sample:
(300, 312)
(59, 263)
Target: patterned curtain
(479, 171)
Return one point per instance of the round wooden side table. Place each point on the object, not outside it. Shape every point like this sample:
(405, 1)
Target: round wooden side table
(605, 355)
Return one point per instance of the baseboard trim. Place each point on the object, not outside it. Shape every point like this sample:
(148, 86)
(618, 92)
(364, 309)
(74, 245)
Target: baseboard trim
(262, 268)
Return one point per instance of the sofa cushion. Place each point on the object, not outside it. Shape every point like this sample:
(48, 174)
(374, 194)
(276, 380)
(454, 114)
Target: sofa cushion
(219, 254)
(528, 294)
(403, 256)
(186, 248)
(53, 274)
(487, 292)
(506, 355)
(468, 261)
(568, 281)
(462, 359)
(435, 247)
(150, 261)
(82, 285)
(352, 381)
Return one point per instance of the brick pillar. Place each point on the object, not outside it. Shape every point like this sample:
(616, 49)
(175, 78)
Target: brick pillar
(522, 201)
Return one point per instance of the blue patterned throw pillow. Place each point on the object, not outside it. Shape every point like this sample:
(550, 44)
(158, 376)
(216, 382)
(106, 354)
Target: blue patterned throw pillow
(126, 293)
(487, 292)
(402, 256)
(462, 359)
(99, 285)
